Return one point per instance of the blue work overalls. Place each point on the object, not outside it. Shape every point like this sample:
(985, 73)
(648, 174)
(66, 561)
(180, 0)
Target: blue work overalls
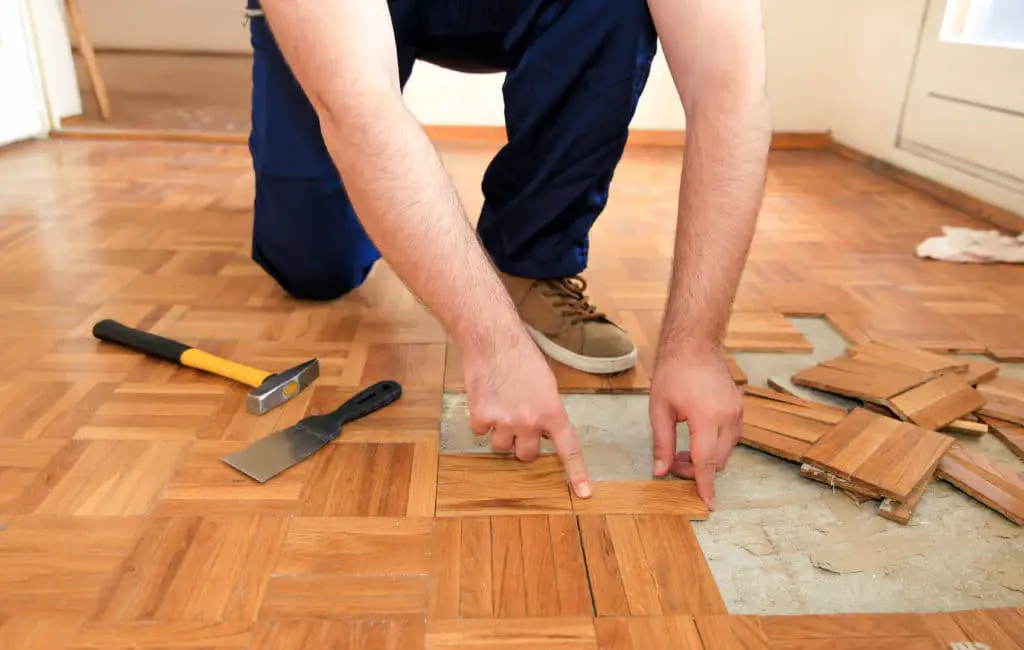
(574, 73)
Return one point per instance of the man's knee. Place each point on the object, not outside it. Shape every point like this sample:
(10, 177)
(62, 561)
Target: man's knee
(318, 275)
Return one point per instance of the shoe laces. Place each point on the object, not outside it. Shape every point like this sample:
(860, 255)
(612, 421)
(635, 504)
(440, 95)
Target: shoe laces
(571, 297)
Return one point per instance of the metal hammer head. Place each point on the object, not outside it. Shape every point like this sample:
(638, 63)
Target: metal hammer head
(281, 387)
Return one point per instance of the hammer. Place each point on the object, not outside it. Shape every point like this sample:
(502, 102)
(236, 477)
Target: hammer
(269, 390)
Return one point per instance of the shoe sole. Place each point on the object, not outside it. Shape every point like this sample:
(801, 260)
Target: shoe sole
(592, 365)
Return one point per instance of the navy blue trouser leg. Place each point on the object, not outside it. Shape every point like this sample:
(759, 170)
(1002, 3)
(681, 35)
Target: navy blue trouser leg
(305, 233)
(569, 99)
(575, 73)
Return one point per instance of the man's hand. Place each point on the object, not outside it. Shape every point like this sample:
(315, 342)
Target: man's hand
(514, 396)
(697, 389)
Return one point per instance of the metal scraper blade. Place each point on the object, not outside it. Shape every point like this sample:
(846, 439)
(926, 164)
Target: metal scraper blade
(268, 457)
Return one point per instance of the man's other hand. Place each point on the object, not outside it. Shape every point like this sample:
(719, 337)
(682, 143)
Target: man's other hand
(696, 388)
(513, 395)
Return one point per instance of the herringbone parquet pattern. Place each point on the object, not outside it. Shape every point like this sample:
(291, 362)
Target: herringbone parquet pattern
(121, 527)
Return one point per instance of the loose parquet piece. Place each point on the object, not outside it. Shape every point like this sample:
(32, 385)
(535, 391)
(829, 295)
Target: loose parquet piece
(645, 632)
(980, 371)
(856, 491)
(508, 567)
(937, 402)
(783, 425)
(1004, 399)
(993, 484)
(881, 452)
(669, 497)
(860, 379)
(905, 356)
(562, 633)
(492, 484)
(647, 565)
(1011, 434)
(966, 427)
(194, 569)
(902, 512)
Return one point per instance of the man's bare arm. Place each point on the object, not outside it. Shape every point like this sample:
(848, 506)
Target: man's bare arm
(716, 54)
(343, 54)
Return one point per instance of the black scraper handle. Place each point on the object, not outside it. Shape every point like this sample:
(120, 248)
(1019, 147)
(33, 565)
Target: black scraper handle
(359, 405)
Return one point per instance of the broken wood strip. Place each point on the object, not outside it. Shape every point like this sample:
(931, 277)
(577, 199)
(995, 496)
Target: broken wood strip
(993, 485)
(823, 412)
(774, 443)
(1011, 435)
(1004, 399)
(855, 490)
(671, 497)
(905, 356)
(770, 408)
(938, 402)
(776, 386)
(966, 427)
(761, 413)
(902, 512)
(980, 371)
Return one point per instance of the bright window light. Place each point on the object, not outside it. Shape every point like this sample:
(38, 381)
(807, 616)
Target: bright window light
(993, 23)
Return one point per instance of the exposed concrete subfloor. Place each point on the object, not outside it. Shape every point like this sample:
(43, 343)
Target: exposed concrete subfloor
(783, 544)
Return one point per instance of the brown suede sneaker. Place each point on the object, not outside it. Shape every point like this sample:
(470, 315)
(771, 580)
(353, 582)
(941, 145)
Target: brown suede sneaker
(567, 327)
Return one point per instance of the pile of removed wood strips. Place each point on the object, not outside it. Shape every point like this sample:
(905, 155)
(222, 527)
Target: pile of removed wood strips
(912, 408)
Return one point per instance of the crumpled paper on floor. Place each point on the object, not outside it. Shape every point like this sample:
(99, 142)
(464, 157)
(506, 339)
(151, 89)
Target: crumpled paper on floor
(975, 246)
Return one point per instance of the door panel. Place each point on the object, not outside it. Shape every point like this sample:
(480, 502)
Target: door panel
(22, 111)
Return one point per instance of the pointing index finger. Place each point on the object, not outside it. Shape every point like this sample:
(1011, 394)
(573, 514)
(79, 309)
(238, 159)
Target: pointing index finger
(567, 445)
(703, 450)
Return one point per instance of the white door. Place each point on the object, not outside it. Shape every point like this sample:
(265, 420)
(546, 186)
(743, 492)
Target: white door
(965, 105)
(22, 108)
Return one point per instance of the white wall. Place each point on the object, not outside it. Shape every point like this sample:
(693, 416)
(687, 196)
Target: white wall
(23, 109)
(800, 85)
(876, 61)
(56, 61)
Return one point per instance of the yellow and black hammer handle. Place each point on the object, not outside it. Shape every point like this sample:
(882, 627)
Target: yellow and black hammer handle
(170, 350)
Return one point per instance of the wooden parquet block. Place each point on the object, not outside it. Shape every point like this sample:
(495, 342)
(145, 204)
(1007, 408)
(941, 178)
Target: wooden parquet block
(784, 425)
(1012, 435)
(386, 633)
(1004, 399)
(102, 477)
(343, 596)
(563, 633)
(860, 379)
(999, 628)
(994, 484)
(763, 332)
(508, 567)
(647, 565)
(56, 566)
(643, 632)
(356, 546)
(205, 484)
(194, 569)
(732, 632)
(354, 479)
(905, 356)
(493, 484)
(20, 464)
(892, 456)
(666, 497)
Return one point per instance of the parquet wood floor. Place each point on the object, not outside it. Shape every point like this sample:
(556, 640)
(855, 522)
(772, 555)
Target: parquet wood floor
(121, 527)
